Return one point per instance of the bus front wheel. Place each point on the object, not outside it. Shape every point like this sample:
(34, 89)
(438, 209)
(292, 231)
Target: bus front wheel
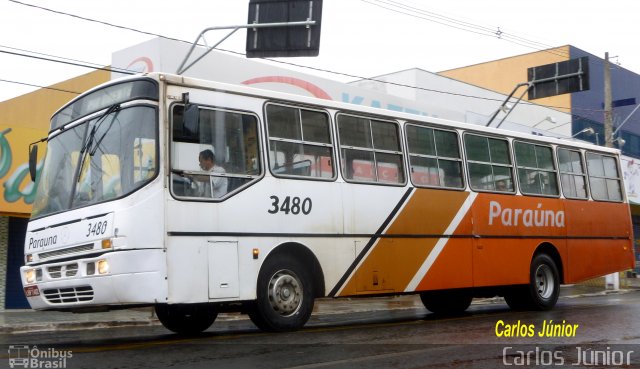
(284, 295)
(186, 318)
(543, 289)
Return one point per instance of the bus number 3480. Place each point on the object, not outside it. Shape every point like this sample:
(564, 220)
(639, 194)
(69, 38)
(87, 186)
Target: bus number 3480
(96, 229)
(293, 205)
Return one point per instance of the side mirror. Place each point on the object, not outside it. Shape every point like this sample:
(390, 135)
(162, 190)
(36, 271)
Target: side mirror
(191, 125)
(33, 161)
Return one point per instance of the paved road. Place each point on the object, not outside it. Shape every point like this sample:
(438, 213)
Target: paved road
(608, 328)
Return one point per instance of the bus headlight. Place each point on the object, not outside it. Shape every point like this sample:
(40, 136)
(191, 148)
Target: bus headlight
(103, 267)
(31, 275)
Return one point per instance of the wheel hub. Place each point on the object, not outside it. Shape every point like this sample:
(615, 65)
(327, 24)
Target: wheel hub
(544, 281)
(285, 292)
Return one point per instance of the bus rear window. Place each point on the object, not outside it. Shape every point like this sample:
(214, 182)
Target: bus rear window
(604, 177)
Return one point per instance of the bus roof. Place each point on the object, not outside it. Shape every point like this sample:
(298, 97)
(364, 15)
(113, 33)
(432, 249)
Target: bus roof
(343, 106)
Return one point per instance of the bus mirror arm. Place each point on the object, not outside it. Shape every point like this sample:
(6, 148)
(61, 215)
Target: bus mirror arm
(191, 125)
(33, 158)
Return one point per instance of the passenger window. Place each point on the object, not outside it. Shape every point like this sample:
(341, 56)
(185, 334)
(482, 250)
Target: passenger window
(434, 157)
(572, 175)
(370, 150)
(299, 142)
(488, 163)
(604, 177)
(536, 169)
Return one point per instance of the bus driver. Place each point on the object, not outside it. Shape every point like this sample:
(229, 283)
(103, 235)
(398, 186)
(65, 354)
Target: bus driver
(208, 163)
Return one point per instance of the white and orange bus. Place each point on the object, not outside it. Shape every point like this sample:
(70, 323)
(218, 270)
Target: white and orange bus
(198, 197)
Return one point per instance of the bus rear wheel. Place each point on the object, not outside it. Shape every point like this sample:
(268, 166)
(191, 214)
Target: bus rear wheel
(449, 302)
(543, 289)
(284, 296)
(186, 318)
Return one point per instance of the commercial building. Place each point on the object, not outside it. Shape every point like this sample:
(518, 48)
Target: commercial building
(586, 108)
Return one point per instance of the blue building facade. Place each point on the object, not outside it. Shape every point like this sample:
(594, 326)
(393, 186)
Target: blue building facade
(587, 107)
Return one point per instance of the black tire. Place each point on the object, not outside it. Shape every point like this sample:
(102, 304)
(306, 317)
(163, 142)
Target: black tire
(543, 289)
(446, 302)
(285, 295)
(516, 298)
(186, 318)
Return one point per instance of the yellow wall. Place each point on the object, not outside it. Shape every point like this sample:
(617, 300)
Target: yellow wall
(23, 120)
(503, 75)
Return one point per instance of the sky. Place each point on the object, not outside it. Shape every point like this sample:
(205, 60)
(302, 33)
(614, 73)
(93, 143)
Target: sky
(360, 38)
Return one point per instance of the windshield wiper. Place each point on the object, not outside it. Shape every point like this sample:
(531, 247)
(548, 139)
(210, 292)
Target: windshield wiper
(87, 145)
(94, 129)
(112, 109)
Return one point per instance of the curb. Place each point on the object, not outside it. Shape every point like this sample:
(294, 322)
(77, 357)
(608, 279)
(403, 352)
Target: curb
(74, 326)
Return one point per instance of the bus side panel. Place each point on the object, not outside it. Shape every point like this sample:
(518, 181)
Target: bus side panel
(599, 239)
(397, 264)
(453, 267)
(507, 231)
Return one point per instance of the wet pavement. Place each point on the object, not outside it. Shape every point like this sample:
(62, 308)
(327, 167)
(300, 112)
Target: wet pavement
(22, 321)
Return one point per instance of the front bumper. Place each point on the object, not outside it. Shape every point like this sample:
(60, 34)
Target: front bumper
(134, 277)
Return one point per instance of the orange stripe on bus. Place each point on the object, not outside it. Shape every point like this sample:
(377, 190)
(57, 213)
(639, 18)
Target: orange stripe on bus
(494, 242)
(393, 262)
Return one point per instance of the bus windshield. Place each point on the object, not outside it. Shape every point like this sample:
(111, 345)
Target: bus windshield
(105, 157)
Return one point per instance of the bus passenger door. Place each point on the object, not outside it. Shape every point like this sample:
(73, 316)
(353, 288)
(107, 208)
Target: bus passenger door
(223, 269)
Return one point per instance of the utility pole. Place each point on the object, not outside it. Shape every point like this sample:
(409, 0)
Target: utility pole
(612, 281)
(608, 115)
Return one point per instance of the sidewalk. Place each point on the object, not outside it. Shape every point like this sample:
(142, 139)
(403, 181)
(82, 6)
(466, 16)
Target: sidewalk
(22, 321)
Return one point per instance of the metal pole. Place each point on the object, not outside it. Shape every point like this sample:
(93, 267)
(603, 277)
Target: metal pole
(182, 68)
(504, 103)
(529, 85)
(608, 116)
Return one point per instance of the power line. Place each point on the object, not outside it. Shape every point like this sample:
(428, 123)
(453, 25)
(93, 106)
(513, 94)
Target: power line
(39, 86)
(411, 11)
(91, 20)
(490, 32)
(76, 64)
(56, 58)
(272, 60)
(494, 32)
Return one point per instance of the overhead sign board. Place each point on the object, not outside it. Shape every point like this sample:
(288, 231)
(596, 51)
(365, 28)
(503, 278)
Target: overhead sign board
(285, 40)
(559, 78)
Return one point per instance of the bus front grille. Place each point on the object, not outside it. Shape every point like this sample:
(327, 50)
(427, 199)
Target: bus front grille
(63, 252)
(60, 271)
(68, 295)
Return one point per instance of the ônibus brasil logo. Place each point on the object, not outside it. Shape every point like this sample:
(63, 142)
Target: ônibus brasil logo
(25, 356)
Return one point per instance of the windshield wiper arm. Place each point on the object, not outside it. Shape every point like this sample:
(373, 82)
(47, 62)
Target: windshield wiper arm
(112, 109)
(87, 146)
(94, 129)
